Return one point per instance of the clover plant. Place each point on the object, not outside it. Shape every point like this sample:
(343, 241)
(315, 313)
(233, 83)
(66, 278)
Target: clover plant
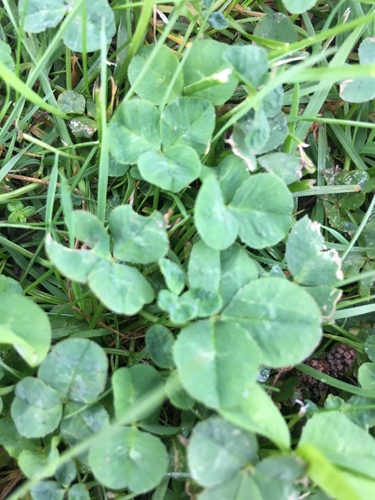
(188, 275)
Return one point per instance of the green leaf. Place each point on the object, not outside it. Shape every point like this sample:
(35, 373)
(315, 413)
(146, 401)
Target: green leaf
(217, 450)
(250, 135)
(354, 409)
(80, 422)
(366, 51)
(357, 91)
(75, 264)
(177, 394)
(278, 132)
(273, 102)
(188, 121)
(285, 467)
(366, 375)
(218, 21)
(78, 492)
(325, 431)
(12, 440)
(84, 32)
(159, 342)
(262, 207)
(232, 172)
(77, 369)
(173, 274)
(160, 430)
(308, 263)
(15, 206)
(121, 288)
(162, 70)
(30, 332)
(71, 102)
(352, 201)
(46, 490)
(138, 239)
(256, 412)
(39, 17)
(172, 170)
(129, 458)
(215, 224)
(204, 267)
(361, 89)
(370, 347)
(83, 127)
(277, 27)
(32, 462)
(180, 308)
(131, 385)
(115, 168)
(237, 270)
(66, 473)
(325, 474)
(216, 362)
(282, 318)
(206, 59)
(9, 285)
(361, 485)
(89, 230)
(208, 301)
(286, 166)
(270, 487)
(135, 125)
(27, 212)
(298, 6)
(36, 409)
(240, 487)
(6, 56)
(249, 63)
(326, 297)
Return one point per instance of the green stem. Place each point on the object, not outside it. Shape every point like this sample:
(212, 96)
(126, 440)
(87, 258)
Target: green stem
(137, 39)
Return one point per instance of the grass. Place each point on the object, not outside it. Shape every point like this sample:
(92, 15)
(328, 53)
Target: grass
(50, 173)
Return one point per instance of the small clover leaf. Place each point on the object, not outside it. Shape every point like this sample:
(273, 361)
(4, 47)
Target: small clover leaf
(299, 6)
(307, 261)
(160, 73)
(280, 316)
(173, 274)
(76, 369)
(249, 63)
(217, 361)
(36, 409)
(188, 121)
(206, 61)
(262, 207)
(171, 170)
(218, 449)
(361, 89)
(136, 125)
(256, 412)
(30, 332)
(137, 238)
(216, 225)
(142, 456)
(130, 385)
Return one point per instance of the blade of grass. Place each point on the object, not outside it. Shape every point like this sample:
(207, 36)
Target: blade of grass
(102, 120)
(361, 227)
(137, 39)
(354, 311)
(343, 386)
(11, 79)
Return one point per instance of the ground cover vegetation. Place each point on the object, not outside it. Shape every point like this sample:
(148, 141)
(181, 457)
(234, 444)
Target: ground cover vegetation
(187, 249)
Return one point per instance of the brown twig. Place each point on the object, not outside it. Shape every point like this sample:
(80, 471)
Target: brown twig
(34, 180)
